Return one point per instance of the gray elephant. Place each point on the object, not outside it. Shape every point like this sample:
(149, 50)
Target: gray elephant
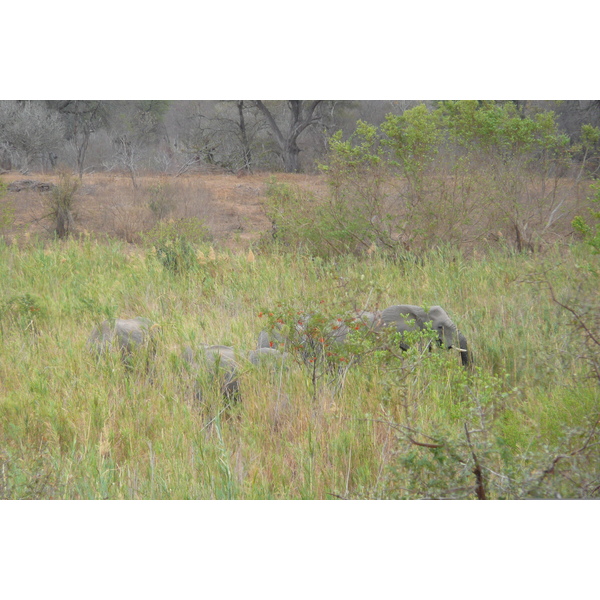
(220, 362)
(274, 338)
(224, 365)
(332, 333)
(407, 317)
(270, 339)
(370, 321)
(269, 356)
(125, 335)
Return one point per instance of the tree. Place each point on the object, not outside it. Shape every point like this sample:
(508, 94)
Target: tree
(224, 134)
(135, 129)
(82, 118)
(301, 115)
(29, 132)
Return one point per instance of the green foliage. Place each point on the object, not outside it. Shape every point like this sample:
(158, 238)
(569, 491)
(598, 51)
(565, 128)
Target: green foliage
(465, 172)
(359, 154)
(174, 243)
(61, 202)
(301, 222)
(590, 233)
(26, 310)
(475, 458)
(162, 200)
(413, 139)
(7, 210)
(291, 214)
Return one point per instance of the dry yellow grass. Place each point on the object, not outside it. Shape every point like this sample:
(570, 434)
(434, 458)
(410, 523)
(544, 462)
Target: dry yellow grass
(109, 204)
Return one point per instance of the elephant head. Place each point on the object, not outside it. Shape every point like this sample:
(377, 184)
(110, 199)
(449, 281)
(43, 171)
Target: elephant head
(407, 317)
(448, 333)
(269, 339)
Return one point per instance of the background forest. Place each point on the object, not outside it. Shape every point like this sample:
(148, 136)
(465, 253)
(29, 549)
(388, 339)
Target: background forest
(174, 136)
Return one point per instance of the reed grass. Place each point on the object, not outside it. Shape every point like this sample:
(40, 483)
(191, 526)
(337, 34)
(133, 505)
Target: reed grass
(72, 426)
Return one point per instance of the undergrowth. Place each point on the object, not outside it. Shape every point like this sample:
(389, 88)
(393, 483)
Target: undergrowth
(382, 423)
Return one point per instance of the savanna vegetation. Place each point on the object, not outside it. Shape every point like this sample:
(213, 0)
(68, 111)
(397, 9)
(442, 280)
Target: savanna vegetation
(475, 207)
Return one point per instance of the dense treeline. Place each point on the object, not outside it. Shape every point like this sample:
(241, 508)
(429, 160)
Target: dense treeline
(174, 136)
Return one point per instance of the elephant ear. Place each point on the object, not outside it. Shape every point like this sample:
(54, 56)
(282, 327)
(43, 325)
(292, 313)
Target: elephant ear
(405, 317)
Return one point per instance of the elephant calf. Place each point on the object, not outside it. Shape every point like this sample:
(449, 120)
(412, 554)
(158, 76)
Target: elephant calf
(125, 335)
(220, 362)
(265, 355)
(407, 317)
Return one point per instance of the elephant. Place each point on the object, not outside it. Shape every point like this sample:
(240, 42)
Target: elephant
(334, 332)
(224, 364)
(126, 335)
(270, 338)
(263, 355)
(340, 329)
(220, 362)
(407, 317)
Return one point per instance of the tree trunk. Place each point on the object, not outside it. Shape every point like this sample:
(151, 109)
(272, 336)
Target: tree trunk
(300, 119)
(247, 154)
(81, 150)
(290, 158)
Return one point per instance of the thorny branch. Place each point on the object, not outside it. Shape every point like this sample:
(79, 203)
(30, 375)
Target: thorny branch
(550, 470)
(577, 316)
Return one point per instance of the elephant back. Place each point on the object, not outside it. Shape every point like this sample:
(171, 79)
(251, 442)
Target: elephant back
(269, 339)
(122, 334)
(405, 317)
(268, 356)
(218, 361)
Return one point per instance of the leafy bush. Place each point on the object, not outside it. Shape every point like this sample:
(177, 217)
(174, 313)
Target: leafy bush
(26, 310)
(474, 457)
(591, 234)
(323, 228)
(174, 243)
(162, 200)
(465, 174)
(61, 201)
(7, 211)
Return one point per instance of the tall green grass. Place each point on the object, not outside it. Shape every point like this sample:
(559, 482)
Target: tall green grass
(72, 426)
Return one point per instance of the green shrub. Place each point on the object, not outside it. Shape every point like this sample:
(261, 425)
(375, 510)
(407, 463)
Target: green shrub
(162, 200)
(464, 174)
(323, 227)
(61, 201)
(26, 310)
(590, 233)
(175, 243)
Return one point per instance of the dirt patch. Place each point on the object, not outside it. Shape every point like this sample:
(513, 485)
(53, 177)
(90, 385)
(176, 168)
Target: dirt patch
(109, 204)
